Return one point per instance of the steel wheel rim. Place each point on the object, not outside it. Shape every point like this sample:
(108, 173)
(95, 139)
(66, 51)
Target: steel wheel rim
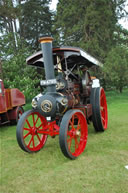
(103, 109)
(77, 134)
(34, 123)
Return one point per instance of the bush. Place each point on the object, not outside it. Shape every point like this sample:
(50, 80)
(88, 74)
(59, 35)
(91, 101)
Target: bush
(116, 68)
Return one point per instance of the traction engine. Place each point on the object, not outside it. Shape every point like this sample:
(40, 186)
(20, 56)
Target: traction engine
(70, 101)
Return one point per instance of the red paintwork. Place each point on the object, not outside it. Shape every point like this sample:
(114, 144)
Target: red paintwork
(17, 97)
(33, 126)
(103, 109)
(36, 129)
(10, 99)
(78, 134)
(12, 114)
(2, 98)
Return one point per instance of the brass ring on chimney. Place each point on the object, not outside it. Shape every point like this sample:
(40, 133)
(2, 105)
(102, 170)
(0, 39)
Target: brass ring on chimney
(46, 40)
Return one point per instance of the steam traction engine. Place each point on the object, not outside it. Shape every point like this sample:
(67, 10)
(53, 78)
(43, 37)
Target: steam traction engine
(71, 100)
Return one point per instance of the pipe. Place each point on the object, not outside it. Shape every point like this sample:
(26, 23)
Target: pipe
(46, 46)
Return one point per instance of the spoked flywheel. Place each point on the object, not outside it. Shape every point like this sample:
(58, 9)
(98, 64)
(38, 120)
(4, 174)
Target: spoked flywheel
(99, 109)
(28, 132)
(73, 133)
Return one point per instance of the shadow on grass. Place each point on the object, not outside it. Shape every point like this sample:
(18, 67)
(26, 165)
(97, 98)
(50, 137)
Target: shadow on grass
(4, 128)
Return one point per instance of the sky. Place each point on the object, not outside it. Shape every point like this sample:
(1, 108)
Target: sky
(53, 4)
(123, 22)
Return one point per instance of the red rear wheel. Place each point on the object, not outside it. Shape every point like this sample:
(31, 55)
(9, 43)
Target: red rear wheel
(99, 109)
(73, 133)
(28, 132)
(103, 109)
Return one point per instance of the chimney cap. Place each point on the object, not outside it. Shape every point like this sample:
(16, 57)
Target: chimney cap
(46, 39)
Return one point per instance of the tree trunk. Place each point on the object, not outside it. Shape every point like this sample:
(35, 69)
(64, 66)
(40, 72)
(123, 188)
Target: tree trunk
(121, 89)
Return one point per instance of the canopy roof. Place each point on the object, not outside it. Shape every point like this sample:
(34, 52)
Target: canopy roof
(71, 55)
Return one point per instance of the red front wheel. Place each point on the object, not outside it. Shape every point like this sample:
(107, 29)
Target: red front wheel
(73, 133)
(28, 132)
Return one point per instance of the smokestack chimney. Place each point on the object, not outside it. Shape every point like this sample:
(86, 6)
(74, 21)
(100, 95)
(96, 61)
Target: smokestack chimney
(46, 46)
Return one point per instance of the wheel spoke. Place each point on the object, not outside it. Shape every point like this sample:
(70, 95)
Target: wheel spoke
(27, 129)
(36, 120)
(33, 119)
(73, 119)
(72, 125)
(27, 134)
(28, 123)
(40, 126)
(78, 127)
(30, 142)
(70, 133)
(76, 144)
(69, 143)
(78, 122)
(38, 138)
(33, 141)
(103, 119)
(68, 140)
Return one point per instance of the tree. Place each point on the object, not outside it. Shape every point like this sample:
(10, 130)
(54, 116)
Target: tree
(15, 71)
(121, 36)
(28, 19)
(116, 68)
(21, 24)
(89, 24)
(35, 20)
(8, 16)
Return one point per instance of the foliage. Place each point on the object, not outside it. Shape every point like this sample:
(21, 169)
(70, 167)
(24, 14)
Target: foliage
(28, 18)
(8, 14)
(36, 22)
(15, 71)
(89, 24)
(116, 68)
(121, 36)
(21, 24)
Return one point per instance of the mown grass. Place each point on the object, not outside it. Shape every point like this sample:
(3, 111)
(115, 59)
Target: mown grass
(100, 169)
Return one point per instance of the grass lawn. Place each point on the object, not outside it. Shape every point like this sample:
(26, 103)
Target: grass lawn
(100, 169)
